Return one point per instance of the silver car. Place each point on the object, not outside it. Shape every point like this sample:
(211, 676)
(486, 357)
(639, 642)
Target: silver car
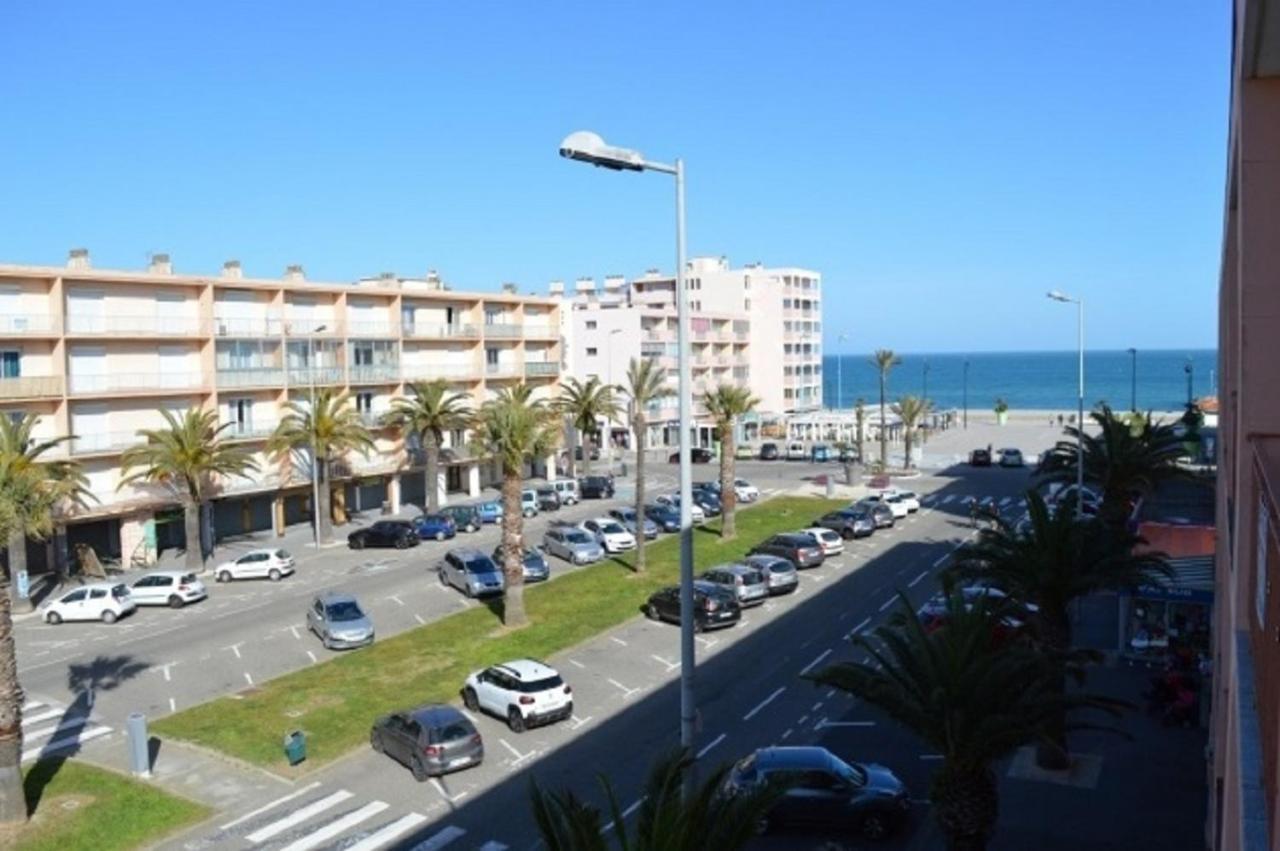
(472, 572)
(779, 574)
(339, 622)
(746, 582)
(572, 544)
(627, 517)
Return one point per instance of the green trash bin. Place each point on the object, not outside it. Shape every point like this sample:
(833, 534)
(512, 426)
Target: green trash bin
(295, 747)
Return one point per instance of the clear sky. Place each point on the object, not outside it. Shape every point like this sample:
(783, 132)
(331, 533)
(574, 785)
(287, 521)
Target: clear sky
(941, 164)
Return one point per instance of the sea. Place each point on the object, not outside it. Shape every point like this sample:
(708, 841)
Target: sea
(1028, 380)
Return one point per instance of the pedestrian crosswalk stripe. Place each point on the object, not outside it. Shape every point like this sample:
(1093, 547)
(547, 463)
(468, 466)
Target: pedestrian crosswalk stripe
(32, 704)
(66, 725)
(298, 816)
(298, 793)
(493, 846)
(333, 828)
(1005, 501)
(947, 498)
(62, 744)
(439, 840)
(36, 718)
(392, 831)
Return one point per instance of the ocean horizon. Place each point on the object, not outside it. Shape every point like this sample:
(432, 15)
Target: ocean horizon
(1045, 380)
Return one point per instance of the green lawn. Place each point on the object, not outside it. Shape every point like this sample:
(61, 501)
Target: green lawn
(79, 806)
(335, 702)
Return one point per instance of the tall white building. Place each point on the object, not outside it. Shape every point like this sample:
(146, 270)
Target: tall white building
(755, 326)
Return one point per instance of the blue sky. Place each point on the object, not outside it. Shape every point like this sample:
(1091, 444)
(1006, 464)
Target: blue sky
(942, 165)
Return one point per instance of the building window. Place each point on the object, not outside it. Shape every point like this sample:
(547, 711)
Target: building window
(10, 364)
(240, 415)
(591, 325)
(364, 403)
(591, 351)
(491, 357)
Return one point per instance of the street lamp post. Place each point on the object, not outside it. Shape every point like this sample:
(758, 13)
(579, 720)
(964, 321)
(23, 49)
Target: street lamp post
(315, 460)
(1079, 303)
(840, 373)
(1133, 380)
(966, 393)
(924, 396)
(590, 148)
(1190, 371)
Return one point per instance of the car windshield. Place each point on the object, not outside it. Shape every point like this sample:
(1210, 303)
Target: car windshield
(434, 518)
(611, 529)
(452, 732)
(576, 537)
(119, 592)
(346, 610)
(849, 773)
(480, 564)
(282, 554)
(545, 684)
(186, 578)
(627, 514)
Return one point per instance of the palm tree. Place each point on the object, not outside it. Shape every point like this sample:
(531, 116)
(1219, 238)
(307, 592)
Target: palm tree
(515, 428)
(585, 404)
(187, 456)
(667, 821)
(724, 405)
(1051, 561)
(968, 693)
(911, 409)
(432, 410)
(326, 426)
(884, 360)
(646, 382)
(1125, 459)
(860, 421)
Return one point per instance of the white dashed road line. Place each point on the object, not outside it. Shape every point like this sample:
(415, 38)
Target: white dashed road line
(762, 704)
(914, 582)
(807, 668)
(717, 740)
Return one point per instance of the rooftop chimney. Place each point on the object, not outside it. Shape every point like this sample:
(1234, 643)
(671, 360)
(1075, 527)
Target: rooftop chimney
(231, 269)
(160, 265)
(78, 258)
(509, 287)
(294, 273)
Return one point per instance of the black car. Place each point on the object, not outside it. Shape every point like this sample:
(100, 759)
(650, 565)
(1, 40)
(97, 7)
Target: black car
(667, 518)
(708, 501)
(384, 533)
(769, 452)
(824, 791)
(548, 499)
(801, 550)
(979, 458)
(430, 740)
(596, 487)
(713, 606)
(697, 455)
(465, 517)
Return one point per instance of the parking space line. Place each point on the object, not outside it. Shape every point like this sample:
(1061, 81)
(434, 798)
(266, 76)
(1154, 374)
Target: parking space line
(576, 663)
(807, 668)
(248, 678)
(617, 640)
(914, 582)
(234, 648)
(439, 787)
(312, 656)
(626, 692)
(717, 740)
(294, 630)
(762, 704)
(671, 666)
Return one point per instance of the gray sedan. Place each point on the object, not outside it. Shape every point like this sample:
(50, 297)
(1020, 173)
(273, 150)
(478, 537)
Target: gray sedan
(627, 517)
(472, 572)
(572, 544)
(849, 522)
(779, 574)
(742, 580)
(339, 622)
(535, 565)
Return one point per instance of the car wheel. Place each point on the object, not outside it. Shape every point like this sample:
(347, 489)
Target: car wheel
(324, 640)
(402, 543)
(274, 575)
(375, 742)
(650, 612)
(443, 579)
(108, 617)
(53, 618)
(356, 543)
(224, 576)
(470, 700)
(439, 536)
(471, 527)
(175, 602)
(762, 824)
(419, 770)
(874, 826)
(847, 534)
(515, 720)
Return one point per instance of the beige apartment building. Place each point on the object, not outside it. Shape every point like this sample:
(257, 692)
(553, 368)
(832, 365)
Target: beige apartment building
(755, 326)
(98, 354)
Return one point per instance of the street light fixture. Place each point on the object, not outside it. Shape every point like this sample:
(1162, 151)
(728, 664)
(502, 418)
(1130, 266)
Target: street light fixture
(966, 393)
(1079, 303)
(1190, 371)
(1133, 380)
(588, 147)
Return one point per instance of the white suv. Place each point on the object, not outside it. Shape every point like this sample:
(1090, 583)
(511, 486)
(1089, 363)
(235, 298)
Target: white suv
(566, 489)
(172, 588)
(610, 534)
(525, 692)
(98, 601)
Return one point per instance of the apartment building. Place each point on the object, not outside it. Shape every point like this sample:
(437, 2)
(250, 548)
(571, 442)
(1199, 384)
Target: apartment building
(98, 354)
(1245, 738)
(756, 326)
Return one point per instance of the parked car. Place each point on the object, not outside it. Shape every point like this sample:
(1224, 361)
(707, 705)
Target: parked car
(897, 507)
(709, 502)
(535, 564)
(742, 489)
(384, 533)
(713, 607)
(272, 564)
(796, 451)
(339, 622)
(850, 523)
(548, 499)
(529, 503)
(979, 458)
(566, 489)
(431, 740)
(97, 601)
(910, 500)
(465, 517)
(832, 542)
(672, 500)
(526, 692)
(571, 544)
(610, 534)
(438, 527)
(823, 791)
(745, 582)
(1010, 457)
(801, 550)
(666, 517)
(697, 455)
(779, 574)
(647, 527)
(880, 512)
(172, 588)
(820, 453)
(471, 572)
(596, 487)
(489, 511)
(769, 452)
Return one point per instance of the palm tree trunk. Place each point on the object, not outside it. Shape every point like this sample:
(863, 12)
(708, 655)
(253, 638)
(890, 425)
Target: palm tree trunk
(1055, 632)
(728, 496)
(13, 803)
(587, 443)
(432, 450)
(884, 436)
(571, 466)
(191, 529)
(966, 805)
(513, 613)
(324, 511)
(17, 565)
(906, 438)
(638, 426)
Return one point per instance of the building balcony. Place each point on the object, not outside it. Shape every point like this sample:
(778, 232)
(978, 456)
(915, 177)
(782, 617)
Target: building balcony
(105, 443)
(252, 430)
(247, 326)
(541, 369)
(500, 331)
(374, 373)
(441, 331)
(229, 379)
(135, 382)
(373, 419)
(541, 331)
(294, 327)
(503, 370)
(137, 326)
(301, 376)
(29, 325)
(31, 387)
(371, 328)
(448, 371)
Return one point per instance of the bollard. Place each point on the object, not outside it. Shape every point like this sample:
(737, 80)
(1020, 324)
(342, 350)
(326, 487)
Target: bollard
(139, 745)
(831, 487)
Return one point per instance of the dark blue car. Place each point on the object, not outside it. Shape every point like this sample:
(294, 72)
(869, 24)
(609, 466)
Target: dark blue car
(437, 527)
(667, 518)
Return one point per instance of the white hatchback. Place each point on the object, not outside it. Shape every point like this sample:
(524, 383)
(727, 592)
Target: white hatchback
(257, 564)
(525, 692)
(98, 601)
(610, 534)
(830, 541)
(172, 588)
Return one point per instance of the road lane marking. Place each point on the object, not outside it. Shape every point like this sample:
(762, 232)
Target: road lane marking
(277, 802)
(439, 840)
(435, 781)
(576, 663)
(826, 723)
(786, 734)
(419, 619)
(298, 816)
(28, 720)
(397, 599)
(294, 630)
(914, 582)
(491, 845)
(857, 629)
(807, 668)
(400, 826)
(887, 603)
(627, 692)
(248, 678)
(173, 705)
(617, 640)
(802, 719)
(762, 704)
(717, 740)
(578, 722)
(333, 828)
(931, 756)
(312, 656)
(74, 740)
(671, 666)
(816, 706)
(234, 648)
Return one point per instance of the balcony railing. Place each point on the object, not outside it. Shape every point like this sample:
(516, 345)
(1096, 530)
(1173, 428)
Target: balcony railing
(252, 430)
(311, 327)
(29, 324)
(304, 376)
(428, 330)
(373, 419)
(502, 370)
(259, 377)
(502, 331)
(247, 326)
(541, 369)
(429, 371)
(371, 328)
(540, 330)
(127, 382)
(369, 373)
(31, 387)
(155, 325)
(106, 441)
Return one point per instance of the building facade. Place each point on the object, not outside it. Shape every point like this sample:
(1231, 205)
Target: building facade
(757, 327)
(98, 354)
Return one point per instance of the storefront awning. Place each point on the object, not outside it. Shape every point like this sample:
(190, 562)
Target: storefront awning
(1190, 582)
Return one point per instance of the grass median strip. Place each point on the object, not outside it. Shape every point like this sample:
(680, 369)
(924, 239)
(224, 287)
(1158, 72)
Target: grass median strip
(335, 702)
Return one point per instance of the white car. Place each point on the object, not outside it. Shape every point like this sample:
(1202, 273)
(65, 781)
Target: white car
(525, 692)
(672, 500)
(271, 564)
(97, 601)
(895, 502)
(830, 541)
(745, 491)
(610, 534)
(172, 588)
(910, 500)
